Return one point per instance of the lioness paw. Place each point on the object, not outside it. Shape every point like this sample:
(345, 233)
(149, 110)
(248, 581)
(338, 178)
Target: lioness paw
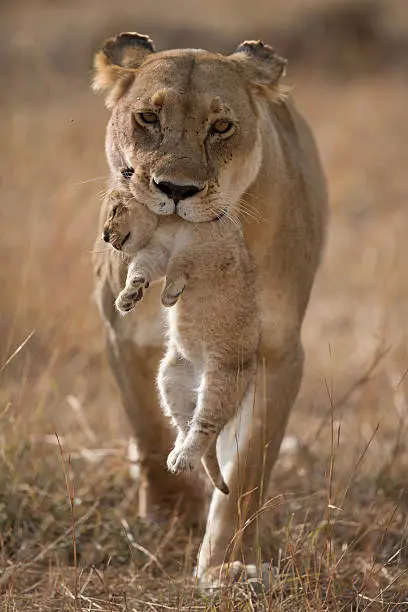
(259, 579)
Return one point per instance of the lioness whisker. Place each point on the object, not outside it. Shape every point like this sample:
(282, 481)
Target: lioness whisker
(250, 215)
(92, 180)
(239, 207)
(245, 207)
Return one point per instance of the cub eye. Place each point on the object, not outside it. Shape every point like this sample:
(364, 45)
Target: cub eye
(114, 211)
(222, 126)
(127, 172)
(148, 118)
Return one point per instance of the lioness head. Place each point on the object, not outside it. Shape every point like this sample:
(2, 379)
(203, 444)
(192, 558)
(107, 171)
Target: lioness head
(184, 132)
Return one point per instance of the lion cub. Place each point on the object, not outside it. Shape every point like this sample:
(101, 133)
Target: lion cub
(213, 331)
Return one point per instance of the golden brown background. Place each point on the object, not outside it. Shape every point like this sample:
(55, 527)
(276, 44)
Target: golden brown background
(348, 65)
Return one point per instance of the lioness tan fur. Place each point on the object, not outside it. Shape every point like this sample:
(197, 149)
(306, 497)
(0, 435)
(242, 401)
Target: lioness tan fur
(218, 130)
(213, 330)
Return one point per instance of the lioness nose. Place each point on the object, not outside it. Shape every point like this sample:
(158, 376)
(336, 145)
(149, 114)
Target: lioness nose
(106, 235)
(177, 192)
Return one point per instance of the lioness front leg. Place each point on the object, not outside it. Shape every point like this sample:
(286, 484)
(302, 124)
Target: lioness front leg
(219, 398)
(249, 448)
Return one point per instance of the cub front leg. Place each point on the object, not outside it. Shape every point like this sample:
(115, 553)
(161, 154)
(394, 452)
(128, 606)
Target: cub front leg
(147, 266)
(176, 278)
(133, 292)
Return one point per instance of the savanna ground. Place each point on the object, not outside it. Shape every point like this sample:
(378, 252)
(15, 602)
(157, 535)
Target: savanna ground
(69, 535)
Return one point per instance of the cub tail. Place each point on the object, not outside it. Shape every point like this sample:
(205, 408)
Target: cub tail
(212, 467)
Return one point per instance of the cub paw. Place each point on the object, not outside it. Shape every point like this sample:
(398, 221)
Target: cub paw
(181, 459)
(172, 291)
(131, 294)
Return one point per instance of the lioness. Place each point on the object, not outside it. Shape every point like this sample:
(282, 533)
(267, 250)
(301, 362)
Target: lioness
(213, 330)
(192, 131)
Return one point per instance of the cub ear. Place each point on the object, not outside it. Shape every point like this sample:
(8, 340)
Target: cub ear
(260, 64)
(116, 64)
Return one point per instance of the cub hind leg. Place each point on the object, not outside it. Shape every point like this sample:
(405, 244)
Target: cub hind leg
(177, 382)
(221, 392)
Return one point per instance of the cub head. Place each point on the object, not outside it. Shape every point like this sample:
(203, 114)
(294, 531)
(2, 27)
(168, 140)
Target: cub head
(129, 225)
(185, 130)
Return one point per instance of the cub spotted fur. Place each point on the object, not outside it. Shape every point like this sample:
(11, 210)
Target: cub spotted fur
(213, 331)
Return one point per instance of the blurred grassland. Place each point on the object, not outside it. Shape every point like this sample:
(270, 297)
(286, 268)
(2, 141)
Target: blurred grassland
(348, 64)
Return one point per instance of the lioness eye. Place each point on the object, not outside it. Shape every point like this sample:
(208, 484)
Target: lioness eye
(222, 126)
(148, 118)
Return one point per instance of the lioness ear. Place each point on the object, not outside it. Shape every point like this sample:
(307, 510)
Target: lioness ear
(117, 62)
(259, 63)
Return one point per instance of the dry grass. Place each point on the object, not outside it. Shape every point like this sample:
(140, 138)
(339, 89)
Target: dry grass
(337, 518)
